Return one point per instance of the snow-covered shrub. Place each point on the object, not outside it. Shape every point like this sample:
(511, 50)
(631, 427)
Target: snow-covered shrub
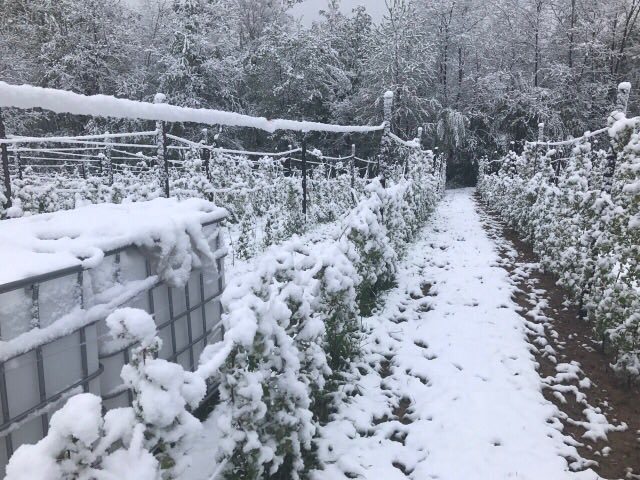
(83, 445)
(162, 390)
(264, 411)
(146, 441)
(372, 253)
(292, 328)
(584, 225)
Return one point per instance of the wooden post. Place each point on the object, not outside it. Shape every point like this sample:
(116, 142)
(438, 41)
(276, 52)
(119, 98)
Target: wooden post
(420, 131)
(4, 153)
(385, 142)
(161, 142)
(353, 165)
(622, 101)
(304, 175)
(83, 170)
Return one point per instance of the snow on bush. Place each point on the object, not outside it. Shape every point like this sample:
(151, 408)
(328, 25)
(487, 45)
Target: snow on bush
(292, 327)
(162, 390)
(583, 224)
(147, 441)
(84, 444)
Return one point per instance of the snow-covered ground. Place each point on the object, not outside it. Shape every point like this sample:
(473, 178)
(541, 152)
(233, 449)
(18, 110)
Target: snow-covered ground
(448, 388)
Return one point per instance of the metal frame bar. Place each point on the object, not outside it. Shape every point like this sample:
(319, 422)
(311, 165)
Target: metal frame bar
(189, 329)
(52, 399)
(4, 401)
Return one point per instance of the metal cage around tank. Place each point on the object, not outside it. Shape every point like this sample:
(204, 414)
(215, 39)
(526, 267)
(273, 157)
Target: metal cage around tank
(36, 381)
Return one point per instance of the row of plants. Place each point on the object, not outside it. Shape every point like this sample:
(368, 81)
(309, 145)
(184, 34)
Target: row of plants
(581, 213)
(292, 328)
(263, 196)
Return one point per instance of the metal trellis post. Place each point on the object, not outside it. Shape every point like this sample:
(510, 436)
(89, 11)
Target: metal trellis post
(161, 142)
(4, 153)
(352, 166)
(540, 140)
(205, 153)
(385, 142)
(304, 174)
(16, 153)
(108, 164)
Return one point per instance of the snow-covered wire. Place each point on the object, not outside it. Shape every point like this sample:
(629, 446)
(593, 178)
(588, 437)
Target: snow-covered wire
(60, 152)
(406, 143)
(47, 166)
(57, 149)
(58, 159)
(256, 154)
(16, 139)
(227, 150)
(571, 141)
(314, 152)
(365, 161)
(138, 155)
(60, 101)
(92, 142)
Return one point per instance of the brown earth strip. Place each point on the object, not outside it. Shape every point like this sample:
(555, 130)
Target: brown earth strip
(619, 401)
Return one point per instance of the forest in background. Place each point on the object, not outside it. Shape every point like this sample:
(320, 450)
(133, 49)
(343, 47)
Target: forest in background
(478, 75)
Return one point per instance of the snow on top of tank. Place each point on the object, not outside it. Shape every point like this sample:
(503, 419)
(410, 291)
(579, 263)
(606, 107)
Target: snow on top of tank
(48, 242)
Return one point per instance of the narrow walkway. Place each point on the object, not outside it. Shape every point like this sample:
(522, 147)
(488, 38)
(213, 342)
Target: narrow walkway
(449, 388)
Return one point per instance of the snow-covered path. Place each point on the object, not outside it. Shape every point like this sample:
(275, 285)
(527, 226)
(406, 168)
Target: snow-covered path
(449, 388)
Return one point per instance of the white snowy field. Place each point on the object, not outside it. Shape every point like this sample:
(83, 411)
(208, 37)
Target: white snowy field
(448, 388)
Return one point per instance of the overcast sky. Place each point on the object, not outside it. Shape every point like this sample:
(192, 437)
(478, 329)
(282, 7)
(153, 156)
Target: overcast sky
(308, 10)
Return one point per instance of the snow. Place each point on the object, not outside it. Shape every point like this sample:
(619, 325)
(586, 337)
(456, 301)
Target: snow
(460, 396)
(407, 143)
(60, 101)
(170, 229)
(133, 462)
(80, 419)
(80, 444)
(128, 325)
(624, 86)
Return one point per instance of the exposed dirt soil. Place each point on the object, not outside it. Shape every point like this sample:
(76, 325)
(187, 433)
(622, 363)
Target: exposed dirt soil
(618, 400)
